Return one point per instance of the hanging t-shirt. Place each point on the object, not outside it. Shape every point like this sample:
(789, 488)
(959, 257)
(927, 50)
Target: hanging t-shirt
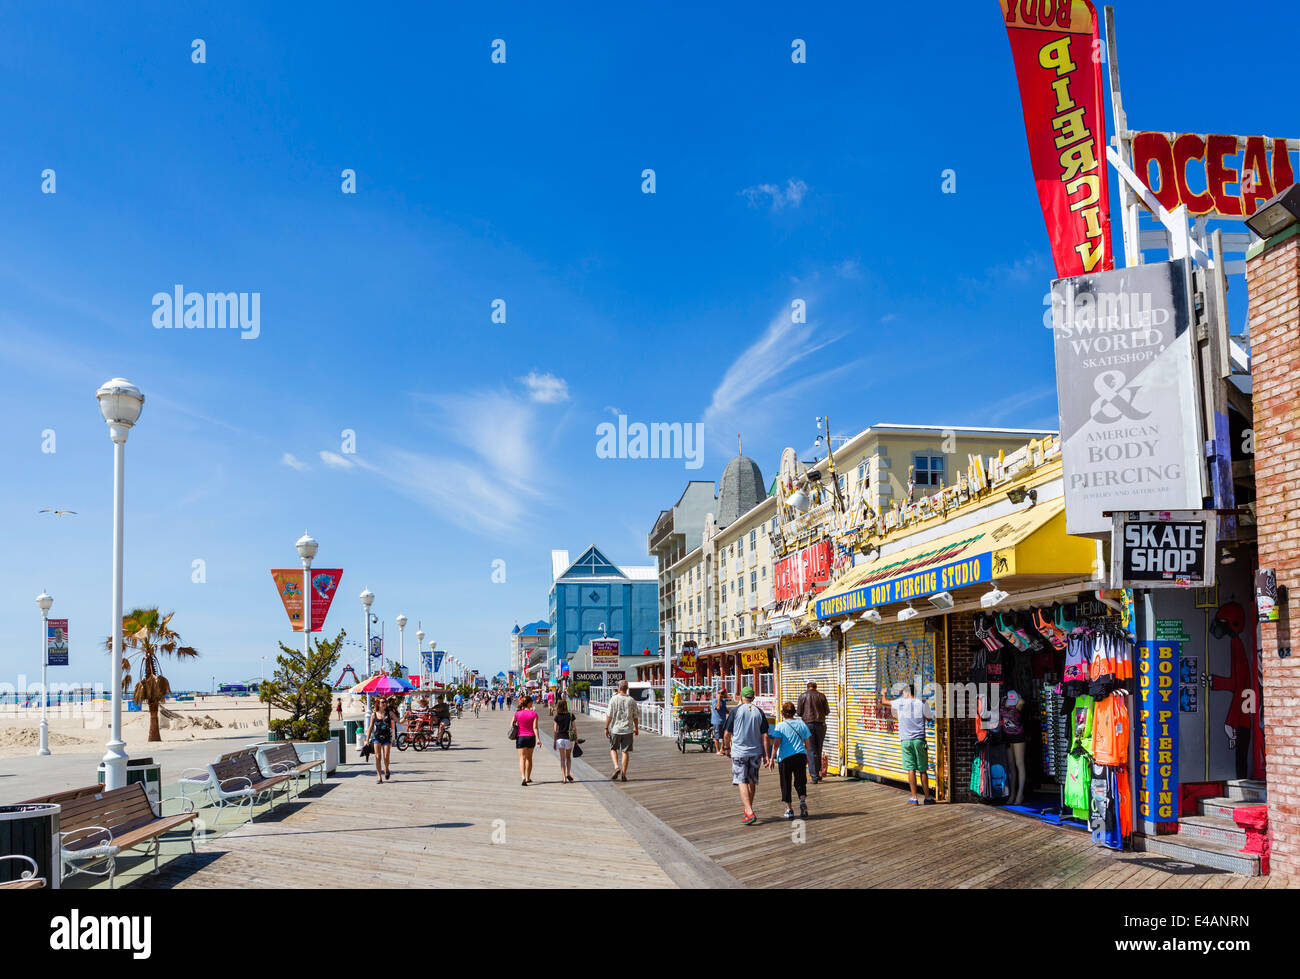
(1081, 720)
(1110, 730)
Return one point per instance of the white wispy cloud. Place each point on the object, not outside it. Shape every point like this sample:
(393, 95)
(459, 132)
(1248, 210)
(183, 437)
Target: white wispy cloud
(293, 462)
(546, 388)
(491, 480)
(776, 197)
(744, 396)
(334, 460)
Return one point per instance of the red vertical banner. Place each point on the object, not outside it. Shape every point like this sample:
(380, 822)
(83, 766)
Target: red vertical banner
(1056, 47)
(324, 584)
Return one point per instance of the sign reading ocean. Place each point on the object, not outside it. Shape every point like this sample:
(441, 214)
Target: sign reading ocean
(969, 571)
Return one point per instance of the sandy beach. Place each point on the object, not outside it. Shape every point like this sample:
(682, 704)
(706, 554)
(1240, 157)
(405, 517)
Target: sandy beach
(81, 728)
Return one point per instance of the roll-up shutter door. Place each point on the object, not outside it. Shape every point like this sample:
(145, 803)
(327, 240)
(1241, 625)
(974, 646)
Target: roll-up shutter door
(878, 658)
(815, 659)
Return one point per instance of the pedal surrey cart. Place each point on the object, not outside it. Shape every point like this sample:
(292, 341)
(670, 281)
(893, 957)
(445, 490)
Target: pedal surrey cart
(694, 717)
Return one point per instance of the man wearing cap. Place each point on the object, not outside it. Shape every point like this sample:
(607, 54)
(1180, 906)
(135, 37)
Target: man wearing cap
(813, 708)
(745, 740)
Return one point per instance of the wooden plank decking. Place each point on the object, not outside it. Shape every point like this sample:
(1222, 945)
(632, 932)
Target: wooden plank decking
(863, 834)
(461, 819)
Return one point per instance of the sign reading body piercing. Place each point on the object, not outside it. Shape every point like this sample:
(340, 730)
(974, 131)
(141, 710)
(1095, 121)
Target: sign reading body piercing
(1126, 390)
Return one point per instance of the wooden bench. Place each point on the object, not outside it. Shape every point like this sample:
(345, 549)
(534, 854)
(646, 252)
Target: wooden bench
(239, 781)
(283, 759)
(95, 828)
(66, 795)
(27, 880)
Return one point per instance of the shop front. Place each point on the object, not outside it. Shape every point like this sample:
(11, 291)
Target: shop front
(816, 659)
(1000, 621)
(878, 661)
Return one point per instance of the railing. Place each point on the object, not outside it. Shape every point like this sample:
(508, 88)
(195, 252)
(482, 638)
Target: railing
(649, 715)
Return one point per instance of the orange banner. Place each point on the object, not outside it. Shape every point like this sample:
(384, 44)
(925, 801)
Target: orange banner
(1056, 48)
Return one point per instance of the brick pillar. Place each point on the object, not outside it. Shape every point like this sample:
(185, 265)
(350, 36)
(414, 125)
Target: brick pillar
(1273, 278)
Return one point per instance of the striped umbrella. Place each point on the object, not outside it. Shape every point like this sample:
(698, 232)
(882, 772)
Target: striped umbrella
(383, 685)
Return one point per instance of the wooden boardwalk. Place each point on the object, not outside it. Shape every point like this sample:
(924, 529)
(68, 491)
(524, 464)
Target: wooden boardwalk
(461, 819)
(863, 834)
(456, 818)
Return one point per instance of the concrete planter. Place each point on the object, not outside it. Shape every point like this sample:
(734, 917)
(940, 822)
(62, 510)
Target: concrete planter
(328, 749)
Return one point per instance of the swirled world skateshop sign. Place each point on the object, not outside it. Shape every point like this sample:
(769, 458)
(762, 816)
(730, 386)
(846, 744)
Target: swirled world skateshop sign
(1127, 395)
(1057, 53)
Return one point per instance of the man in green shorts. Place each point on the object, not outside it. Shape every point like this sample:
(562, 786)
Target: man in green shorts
(911, 715)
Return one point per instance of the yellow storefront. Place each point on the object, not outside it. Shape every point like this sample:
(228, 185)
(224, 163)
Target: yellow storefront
(817, 659)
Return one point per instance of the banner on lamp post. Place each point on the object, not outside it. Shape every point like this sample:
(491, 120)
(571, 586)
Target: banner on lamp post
(324, 585)
(1056, 48)
(56, 642)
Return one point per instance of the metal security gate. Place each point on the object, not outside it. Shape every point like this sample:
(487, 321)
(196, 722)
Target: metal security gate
(817, 660)
(877, 659)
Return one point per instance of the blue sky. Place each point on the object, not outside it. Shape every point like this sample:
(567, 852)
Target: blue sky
(475, 441)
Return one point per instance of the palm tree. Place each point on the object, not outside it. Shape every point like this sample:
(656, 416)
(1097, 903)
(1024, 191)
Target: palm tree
(147, 636)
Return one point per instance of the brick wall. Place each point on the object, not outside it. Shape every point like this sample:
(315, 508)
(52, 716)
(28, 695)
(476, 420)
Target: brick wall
(1273, 278)
(962, 646)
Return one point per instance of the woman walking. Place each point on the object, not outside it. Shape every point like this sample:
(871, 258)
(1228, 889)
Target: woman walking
(380, 735)
(791, 755)
(525, 738)
(565, 737)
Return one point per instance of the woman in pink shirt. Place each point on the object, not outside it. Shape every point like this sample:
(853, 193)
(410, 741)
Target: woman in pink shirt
(526, 738)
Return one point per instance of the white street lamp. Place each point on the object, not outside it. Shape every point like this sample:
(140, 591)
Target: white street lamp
(44, 602)
(367, 599)
(307, 546)
(120, 402)
(401, 640)
(419, 650)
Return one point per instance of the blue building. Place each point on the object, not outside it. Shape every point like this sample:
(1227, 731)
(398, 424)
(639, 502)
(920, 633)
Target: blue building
(593, 591)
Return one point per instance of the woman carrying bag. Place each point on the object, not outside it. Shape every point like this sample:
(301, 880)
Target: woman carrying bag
(565, 738)
(524, 730)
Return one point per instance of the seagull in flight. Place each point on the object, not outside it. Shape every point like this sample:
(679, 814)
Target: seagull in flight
(60, 513)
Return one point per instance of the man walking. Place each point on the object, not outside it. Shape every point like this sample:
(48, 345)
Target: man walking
(812, 709)
(745, 739)
(911, 714)
(622, 724)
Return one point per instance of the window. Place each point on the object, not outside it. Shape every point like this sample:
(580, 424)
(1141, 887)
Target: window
(753, 540)
(862, 473)
(764, 570)
(753, 582)
(773, 525)
(740, 547)
(840, 482)
(740, 627)
(929, 470)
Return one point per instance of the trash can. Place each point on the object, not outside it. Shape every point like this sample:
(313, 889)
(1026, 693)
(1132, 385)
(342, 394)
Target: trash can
(30, 830)
(142, 770)
(351, 729)
(274, 735)
(342, 735)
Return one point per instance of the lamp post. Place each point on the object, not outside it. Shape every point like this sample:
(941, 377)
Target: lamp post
(433, 648)
(419, 650)
(120, 402)
(401, 641)
(44, 602)
(307, 546)
(367, 599)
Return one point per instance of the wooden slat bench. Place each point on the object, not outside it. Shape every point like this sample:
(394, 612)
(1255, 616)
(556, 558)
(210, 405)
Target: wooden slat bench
(239, 781)
(95, 828)
(65, 795)
(283, 759)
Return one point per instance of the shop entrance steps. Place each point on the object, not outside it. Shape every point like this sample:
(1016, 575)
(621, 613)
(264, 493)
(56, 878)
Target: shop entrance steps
(1213, 839)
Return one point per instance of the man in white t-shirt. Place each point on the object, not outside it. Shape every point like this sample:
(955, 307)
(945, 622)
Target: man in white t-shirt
(622, 724)
(911, 715)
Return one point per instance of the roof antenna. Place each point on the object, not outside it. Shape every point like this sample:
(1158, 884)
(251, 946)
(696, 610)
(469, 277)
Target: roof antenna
(740, 447)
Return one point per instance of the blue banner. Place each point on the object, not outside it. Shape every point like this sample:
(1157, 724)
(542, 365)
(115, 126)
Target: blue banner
(968, 571)
(1157, 735)
(427, 660)
(437, 661)
(376, 647)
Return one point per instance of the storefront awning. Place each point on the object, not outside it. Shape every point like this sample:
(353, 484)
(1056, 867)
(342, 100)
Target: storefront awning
(1025, 549)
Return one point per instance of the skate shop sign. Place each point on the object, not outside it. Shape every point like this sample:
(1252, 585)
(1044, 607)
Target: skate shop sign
(1130, 434)
(1169, 549)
